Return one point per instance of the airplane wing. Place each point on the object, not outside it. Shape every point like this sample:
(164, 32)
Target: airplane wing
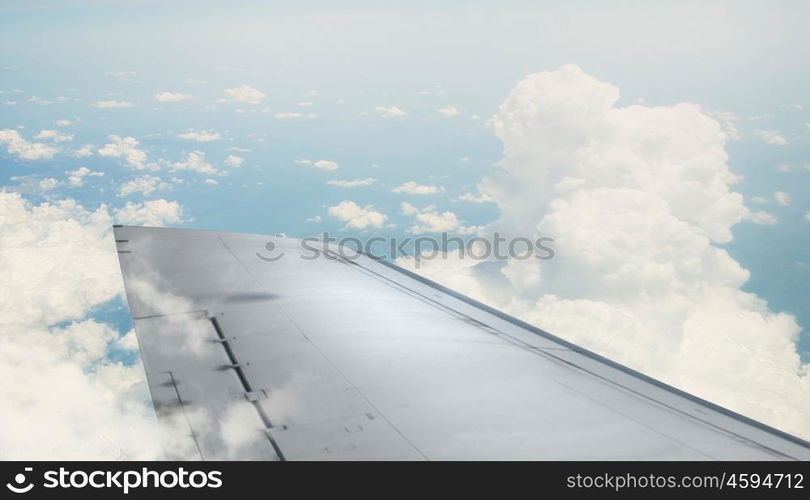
(314, 356)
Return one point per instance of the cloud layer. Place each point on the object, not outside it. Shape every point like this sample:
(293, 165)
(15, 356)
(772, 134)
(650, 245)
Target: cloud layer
(638, 200)
(65, 400)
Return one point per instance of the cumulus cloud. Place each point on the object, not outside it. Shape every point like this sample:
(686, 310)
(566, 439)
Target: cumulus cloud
(243, 94)
(782, 198)
(144, 185)
(234, 161)
(84, 151)
(67, 402)
(211, 182)
(390, 111)
(352, 183)
(48, 184)
(172, 97)
(150, 213)
(322, 164)
(76, 177)
(112, 104)
(411, 187)
(201, 136)
(475, 198)
(448, 111)
(195, 161)
(435, 222)
(53, 135)
(357, 217)
(728, 122)
(762, 218)
(25, 150)
(293, 114)
(430, 220)
(772, 137)
(40, 101)
(638, 200)
(127, 149)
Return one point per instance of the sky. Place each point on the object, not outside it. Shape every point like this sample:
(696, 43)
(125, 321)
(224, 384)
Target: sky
(665, 146)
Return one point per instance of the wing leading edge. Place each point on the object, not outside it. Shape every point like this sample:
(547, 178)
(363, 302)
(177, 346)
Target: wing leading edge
(356, 359)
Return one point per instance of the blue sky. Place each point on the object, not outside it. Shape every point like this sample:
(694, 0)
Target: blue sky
(393, 92)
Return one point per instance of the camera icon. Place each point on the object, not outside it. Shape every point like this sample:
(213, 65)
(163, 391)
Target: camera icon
(274, 253)
(20, 486)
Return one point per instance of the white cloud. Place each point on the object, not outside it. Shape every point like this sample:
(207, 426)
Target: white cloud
(34, 255)
(353, 183)
(435, 222)
(408, 208)
(211, 182)
(357, 217)
(53, 135)
(48, 184)
(303, 161)
(390, 112)
(172, 97)
(728, 122)
(293, 114)
(195, 161)
(129, 342)
(112, 104)
(782, 198)
(449, 111)
(325, 165)
(84, 151)
(63, 123)
(638, 201)
(759, 200)
(234, 161)
(201, 136)
(76, 177)
(243, 94)
(40, 101)
(762, 218)
(476, 198)
(23, 149)
(127, 149)
(58, 261)
(411, 187)
(772, 137)
(144, 185)
(807, 215)
(430, 220)
(787, 168)
(150, 213)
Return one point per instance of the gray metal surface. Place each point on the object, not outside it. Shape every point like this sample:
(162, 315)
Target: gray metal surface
(336, 359)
